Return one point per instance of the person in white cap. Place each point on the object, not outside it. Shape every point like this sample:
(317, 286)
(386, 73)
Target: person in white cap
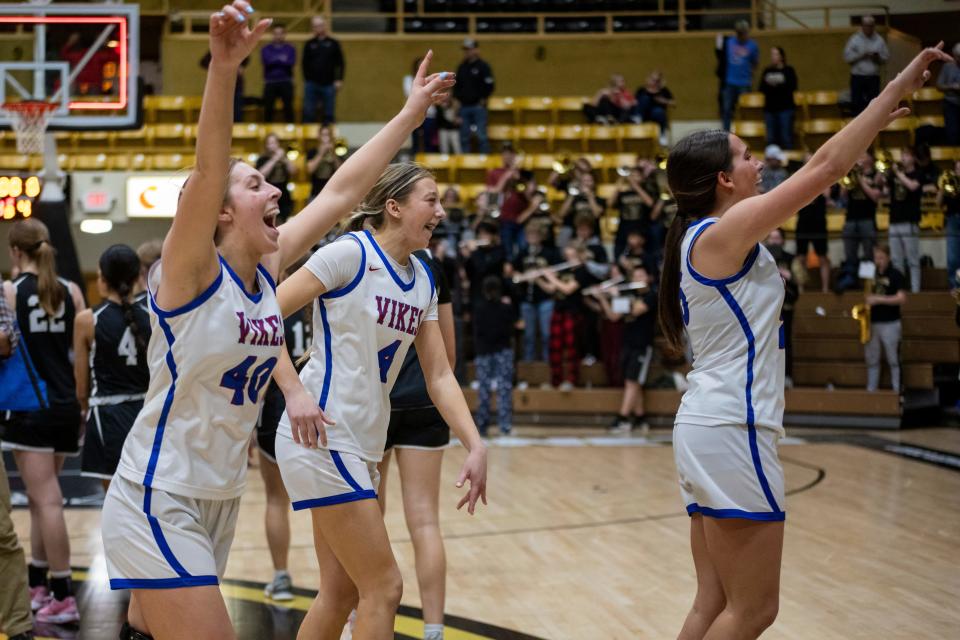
(774, 168)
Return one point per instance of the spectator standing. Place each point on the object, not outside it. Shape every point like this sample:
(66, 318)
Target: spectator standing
(862, 191)
(812, 231)
(474, 86)
(949, 83)
(494, 361)
(424, 138)
(536, 303)
(740, 55)
(503, 187)
(278, 170)
(15, 618)
(777, 84)
(323, 70)
(278, 58)
(866, 52)
(448, 127)
(321, 161)
(904, 187)
(653, 100)
(238, 97)
(948, 199)
(784, 260)
(885, 329)
(483, 257)
(633, 203)
(774, 168)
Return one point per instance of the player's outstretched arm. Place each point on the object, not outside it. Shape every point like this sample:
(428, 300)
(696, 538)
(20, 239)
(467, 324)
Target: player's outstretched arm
(351, 182)
(446, 394)
(189, 254)
(750, 220)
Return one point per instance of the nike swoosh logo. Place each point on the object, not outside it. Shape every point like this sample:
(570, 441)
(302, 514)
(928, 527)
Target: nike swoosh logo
(372, 268)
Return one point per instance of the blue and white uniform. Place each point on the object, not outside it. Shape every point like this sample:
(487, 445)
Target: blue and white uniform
(170, 513)
(731, 417)
(362, 328)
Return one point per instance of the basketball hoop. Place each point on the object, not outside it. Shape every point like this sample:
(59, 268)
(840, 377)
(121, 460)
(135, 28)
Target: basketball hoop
(29, 120)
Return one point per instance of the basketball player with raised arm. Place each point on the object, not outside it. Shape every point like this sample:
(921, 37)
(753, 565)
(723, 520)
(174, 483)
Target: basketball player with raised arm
(169, 516)
(723, 289)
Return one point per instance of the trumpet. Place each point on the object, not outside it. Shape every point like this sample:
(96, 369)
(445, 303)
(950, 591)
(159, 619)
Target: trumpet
(563, 166)
(624, 171)
(861, 313)
(532, 274)
(340, 148)
(852, 179)
(949, 183)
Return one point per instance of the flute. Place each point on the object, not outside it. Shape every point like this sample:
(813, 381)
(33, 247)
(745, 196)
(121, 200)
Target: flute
(533, 274)
(603, 287)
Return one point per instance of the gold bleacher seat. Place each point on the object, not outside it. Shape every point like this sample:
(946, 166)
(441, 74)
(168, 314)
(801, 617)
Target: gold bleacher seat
(816, 132)
(612, 162)
(501, 110)
(898, 133)
(88, 162)
(944, 157)
(500, 133)
(534, 138)
(300, 194)
(929, 121)
(569, 109)
(132, 139)
(14, 162)
(536, 110)
(753, 133)
(469, 192)
(472, 167)
(169, 136)
(821, 105)
(90, 140)
(569, 138)
(171, 109)
(248, 137)
(602, 138)
(172, 161)
(800, 99)
(139, 162)
(638, 138)
(541, 164)
(289, 134)
(750, 106)
(442, 165)
(927, 101)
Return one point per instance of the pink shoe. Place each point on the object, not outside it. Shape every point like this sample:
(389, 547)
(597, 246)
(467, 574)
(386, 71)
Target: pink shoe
(60, 611)
(39, 597)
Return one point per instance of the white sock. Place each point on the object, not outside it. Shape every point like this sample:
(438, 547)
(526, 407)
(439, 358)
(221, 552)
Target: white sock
(433, 632)
(280, 574)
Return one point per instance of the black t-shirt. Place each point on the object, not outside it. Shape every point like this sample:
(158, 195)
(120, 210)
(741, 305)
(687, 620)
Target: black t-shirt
(580, 205)
(410, 389)
(485, 261)
(279, 176)
(492, 326)
(638, 331)
(49, 339)
(905, 204)
(886, 284)
(664, 93)
(534, 258)
(813, 217)
(573, 303)
(322, 173)
(859, 204)
(951, 203)
(777, 86)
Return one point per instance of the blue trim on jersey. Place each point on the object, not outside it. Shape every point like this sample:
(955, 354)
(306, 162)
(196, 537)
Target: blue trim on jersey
(190, 306)
(252, 297)
(160, 538)
(350, 286)
(684, 308)
(164, 583)
(405, 286)
(702, 279)
(426, 267)
(327, 354)
(266, 274)
(167, 404)
(353, 496)
(751, 428)
(342, 468)
(777, 516)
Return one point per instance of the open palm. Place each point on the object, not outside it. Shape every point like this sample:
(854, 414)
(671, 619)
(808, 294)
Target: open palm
(231, 38)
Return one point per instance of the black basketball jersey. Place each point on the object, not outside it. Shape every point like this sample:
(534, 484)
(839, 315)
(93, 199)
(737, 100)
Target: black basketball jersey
(49, 339)
(118, 367)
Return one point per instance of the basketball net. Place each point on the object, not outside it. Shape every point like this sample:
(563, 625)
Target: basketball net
(29, 120)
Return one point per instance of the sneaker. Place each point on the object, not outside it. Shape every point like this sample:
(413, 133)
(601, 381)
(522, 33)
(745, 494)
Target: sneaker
(566, 387)
(621, 425)
(281, 589)
(523, 385)
(589, 361)
(640, 422)
(546, 386)
(59, 611)
(39, 598)
(506, 432)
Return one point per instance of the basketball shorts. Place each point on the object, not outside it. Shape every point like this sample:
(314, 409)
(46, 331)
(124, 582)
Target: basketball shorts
(107, 429)
(636, 364)
(322, 477)
(56, 429)
(270, 413)
(417, 429)
(729, 471)
(159, 540)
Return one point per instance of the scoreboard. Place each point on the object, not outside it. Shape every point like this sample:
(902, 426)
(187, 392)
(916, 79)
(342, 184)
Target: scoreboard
(17, 195)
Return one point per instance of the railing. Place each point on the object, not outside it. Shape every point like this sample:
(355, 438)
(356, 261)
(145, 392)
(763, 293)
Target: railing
(818, 16)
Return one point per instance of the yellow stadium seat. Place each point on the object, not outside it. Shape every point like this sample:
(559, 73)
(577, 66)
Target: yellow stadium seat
(927, 101)
(175, 109)
(14, 162)
(750, 106)
(300, 195)
(929, 121)
(169, 136)
(248, 137)
(172, 161)
(569, 109)
(613, 161)
(607, 191)
(536, 110)
(442, 165)
(534, 138)
(289, 134)
(639, 138)
(471, 191)
(944, 157)
(90, 140)
(500, 133)
(541, 164)
(816, 132)
(569, 138)
(501, 110)
(602, 138)
(132, 139)
(898, 133)
(822, 105)
(88, 162)
(139, 162)
(472, 167)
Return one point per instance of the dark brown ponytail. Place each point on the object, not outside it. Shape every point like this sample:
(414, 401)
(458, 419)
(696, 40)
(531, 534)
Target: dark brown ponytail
(32, 238)
(692, 169)
(120, 269)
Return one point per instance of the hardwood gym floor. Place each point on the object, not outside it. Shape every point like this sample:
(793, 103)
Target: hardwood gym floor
(585, 537)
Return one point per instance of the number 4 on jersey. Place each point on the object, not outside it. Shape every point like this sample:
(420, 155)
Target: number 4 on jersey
(385, 357)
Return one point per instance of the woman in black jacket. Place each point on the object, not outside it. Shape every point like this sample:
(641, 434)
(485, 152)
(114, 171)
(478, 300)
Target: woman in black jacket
(777, 85)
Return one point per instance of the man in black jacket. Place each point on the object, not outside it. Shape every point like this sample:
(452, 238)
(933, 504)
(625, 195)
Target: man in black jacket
(323, 68)
(474, 86)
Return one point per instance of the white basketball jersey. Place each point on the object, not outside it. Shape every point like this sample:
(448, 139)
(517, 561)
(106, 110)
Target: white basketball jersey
(210, 361)
(736, 333)
(362, 328)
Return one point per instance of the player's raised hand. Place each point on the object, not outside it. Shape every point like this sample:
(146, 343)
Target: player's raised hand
(231, 36)
(430, 89)
(474, 470)
(916, 74)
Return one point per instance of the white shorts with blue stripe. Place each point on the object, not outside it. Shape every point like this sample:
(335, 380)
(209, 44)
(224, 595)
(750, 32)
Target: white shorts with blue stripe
(322, 477)
(730, 471)
(160, 540)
